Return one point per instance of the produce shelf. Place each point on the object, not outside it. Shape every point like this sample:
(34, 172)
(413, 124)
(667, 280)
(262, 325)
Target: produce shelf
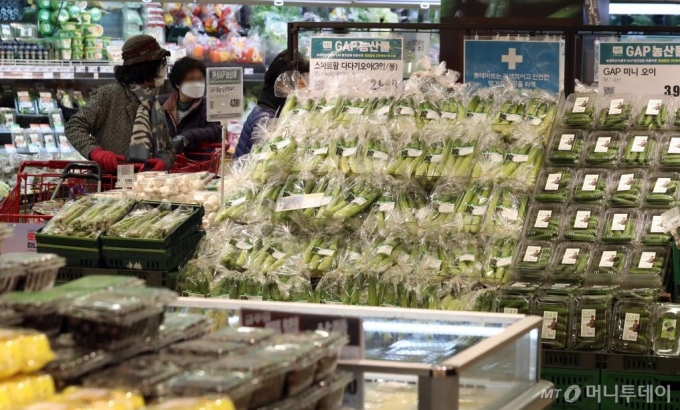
(144, 259)
(563, 378)
(611, 362)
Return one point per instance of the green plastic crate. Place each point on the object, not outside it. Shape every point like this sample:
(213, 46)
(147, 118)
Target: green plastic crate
(186, 229)
(62, 240)
(75, 257)
(156, 279)
(611, 379)
(563, 378)
(149, 259)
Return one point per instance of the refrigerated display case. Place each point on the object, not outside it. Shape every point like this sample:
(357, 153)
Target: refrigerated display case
(440, 360)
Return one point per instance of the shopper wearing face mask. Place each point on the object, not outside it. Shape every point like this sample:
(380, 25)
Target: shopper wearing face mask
(185, 109)
(123, 121)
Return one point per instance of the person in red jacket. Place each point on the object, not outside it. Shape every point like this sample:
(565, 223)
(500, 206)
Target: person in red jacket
(185, 109)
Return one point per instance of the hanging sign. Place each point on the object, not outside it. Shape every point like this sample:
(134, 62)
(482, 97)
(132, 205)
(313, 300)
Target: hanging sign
(224, 93)
(639, 68)
(528, 63)
(379, 59)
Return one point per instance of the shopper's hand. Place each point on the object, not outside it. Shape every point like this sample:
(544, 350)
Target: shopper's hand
(107, 159)
(154, 164)
(179, 143)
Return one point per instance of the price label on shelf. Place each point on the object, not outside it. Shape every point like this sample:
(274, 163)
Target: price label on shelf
(67, 76)
(48, 75)
(628, 67)
(92, 69)
(80, 69)
(106, 69)
(224, 93)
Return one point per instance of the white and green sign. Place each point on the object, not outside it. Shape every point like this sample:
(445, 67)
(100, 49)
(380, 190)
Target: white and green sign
(224, 93)
(381, 60)
(639, 68)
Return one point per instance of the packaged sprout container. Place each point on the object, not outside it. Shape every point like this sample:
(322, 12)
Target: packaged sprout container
(652, 231)
(662, 191)
(119, 317)
(579, 110)
(620, 226)
(571, 261)
(329, 342)
(554, 185)
(543, 222)
(238, 386)
(666, 320)
(615, 112)
(609, 260)
(533, 260)
(602, 149)
(191, 352)
(303, 356)
(639, 149)
(246, 335)
(652, 112)
(517, 298)
(590, 187)
(582, 223)
(555, 310)
(177, 327)
(648, 265)
(592, 317)
(29, 271)
(566, 147)
(632, 330)
(73, 361)
(669, 151)
(626, 188)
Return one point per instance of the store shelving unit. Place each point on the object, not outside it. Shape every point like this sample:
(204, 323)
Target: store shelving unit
(501, 366)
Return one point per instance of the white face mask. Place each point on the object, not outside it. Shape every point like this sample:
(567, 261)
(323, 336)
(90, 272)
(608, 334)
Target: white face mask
(162, 73)
(193, 89)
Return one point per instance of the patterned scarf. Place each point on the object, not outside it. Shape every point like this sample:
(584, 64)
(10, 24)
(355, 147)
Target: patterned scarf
(149, 128)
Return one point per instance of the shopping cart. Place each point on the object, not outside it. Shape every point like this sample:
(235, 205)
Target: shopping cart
(44, 186)
(207, 158)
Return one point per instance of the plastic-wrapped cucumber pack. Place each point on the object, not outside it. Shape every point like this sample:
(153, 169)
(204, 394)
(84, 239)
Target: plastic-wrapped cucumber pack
(555, 311)
(517, 298)
(632, 329)
(592, 318)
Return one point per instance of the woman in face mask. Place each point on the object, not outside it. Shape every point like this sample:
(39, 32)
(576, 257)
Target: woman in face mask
(185, 109)
(123, 121)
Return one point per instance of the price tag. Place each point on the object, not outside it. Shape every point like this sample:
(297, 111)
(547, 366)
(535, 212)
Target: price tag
(48, 75)
(80, 69)
(92, 69)
(248, 71)
(67, 76)
(106, 69)
(27, 75)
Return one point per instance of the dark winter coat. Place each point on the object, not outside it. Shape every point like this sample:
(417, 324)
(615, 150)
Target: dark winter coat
(194, 126)
(259, 115)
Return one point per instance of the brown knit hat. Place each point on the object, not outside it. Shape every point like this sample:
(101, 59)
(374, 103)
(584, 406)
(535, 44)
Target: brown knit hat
(141, 49)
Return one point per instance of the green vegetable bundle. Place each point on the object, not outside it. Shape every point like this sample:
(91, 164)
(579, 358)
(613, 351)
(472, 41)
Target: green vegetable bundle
(609, 260)
(346, 153)
(591, 187)
(506, 212)
(533, 259)
(463, 257)
(427, 112)
(571, 262)
(669, 154)
(161, 225)
(639, 150)
(451, 109)
(326, 109)
(500, 255)
(335, 287)
(352, 109)
(459, 162)
(479, 106)
(553, 185)
(626, 190)
(314, 155)
(580, 110)
(653, 115)
(653, 232)
(381, 255)
(359, 196)
(541, 112)
(632, 327)
(238, 250)
(409, 157)
(516, 298)
(431, 258)
(320, 254)
(490, 156)
(616, 115)
(474, 206)
(140, 215)
(591, 322)
(287, 288)
(363, 289)
(620, 226)
(566, 147)
(543, 222)
(603, 149)
(666, 321)
(649, 261)
(382, 109)
(662, 190)
(274, 153)
(303, 194)
(523, 158)
(583, 224)
(378, 150)
(295, 106)
(445, 199)
(251, 284)
(555, 311)
(238, 201)
(88, 216)
(394, 289)
(511, 112)
(436, 156)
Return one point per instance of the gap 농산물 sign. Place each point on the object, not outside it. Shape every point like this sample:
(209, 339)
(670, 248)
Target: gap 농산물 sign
(381, 60)
(224, 95)
(629, 67)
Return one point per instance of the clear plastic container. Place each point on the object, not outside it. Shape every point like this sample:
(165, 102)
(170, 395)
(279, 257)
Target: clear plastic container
(118, 318)
(329, 342)
(533, 260)
(73, 361)
(554, 185)
(499, 257)
(304, 356)
(579, 110)
(243, 334)
(602, 149)
(201, 351)
(582, 223)
(238, 386)
(615, 112)
(517, 298)
(632, 330)
(141, 375)
(97, 282)
(543, 222)
(221, 403)
(29, 271)
(567, 147)
(620, 226)
(669, 151)
(639, 149)
(177, 327)
(333, 391)
(571, 261)
(666, 318)
(652, 232)
(609, 260)
(555, 311)
(662, 190)
(590, 323)
(653, 112)
(649, 260)
(626, 188)
(590, 186)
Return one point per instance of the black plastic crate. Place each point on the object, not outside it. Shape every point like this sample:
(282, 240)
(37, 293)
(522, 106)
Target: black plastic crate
(155, 279)
(75, 257)
(149, 259)
(70, 241)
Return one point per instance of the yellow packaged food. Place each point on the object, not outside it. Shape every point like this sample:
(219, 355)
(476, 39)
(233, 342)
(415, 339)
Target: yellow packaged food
(23, 390)
(194, 404)
(11, 358)
(37, 352)
(23, 351)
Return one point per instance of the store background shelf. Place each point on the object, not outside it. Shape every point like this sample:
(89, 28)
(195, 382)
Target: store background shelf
(611, 362)
(563, 378)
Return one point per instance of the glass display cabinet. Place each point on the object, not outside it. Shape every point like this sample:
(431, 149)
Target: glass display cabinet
(414, 359)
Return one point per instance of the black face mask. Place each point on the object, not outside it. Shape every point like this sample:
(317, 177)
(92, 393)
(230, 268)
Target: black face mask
(269, 100)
